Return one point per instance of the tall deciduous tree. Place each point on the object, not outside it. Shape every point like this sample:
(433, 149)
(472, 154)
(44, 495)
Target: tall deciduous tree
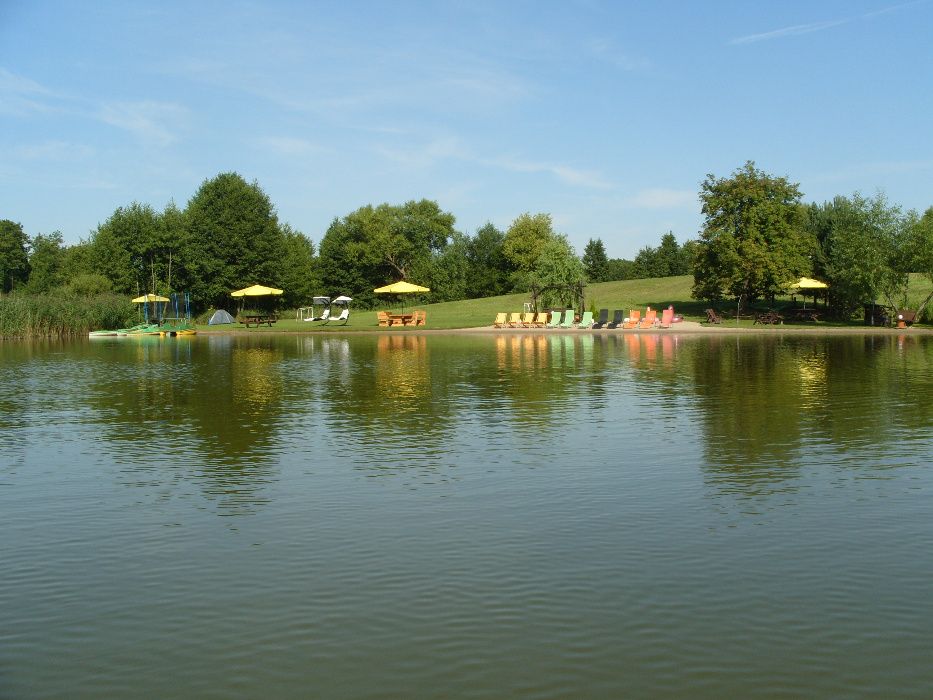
(489, 270)
(46, 261)
(557, 275)
(867, 249)
(376, 245)
(14, 258)
(234, 239)
(595, 260)
(753, 242)
(525, 240)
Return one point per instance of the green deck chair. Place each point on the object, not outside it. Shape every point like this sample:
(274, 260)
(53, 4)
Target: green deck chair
(555, 320)
(586, 320)
(568, 319)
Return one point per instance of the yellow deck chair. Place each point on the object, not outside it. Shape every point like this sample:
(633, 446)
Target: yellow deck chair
(528, 319)
(515, 320)
(501, 320)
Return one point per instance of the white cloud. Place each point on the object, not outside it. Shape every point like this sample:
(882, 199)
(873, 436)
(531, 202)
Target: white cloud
(799, 29)
(661, 198)
(150, 121)
(564, 173)
(795, 30)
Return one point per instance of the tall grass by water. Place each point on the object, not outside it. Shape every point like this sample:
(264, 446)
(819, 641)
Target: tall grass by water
(58, 315)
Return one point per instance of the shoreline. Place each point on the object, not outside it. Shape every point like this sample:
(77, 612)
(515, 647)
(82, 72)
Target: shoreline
(682, 328)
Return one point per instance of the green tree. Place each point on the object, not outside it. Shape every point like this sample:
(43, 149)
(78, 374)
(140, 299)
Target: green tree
(46, 260)
(14, 256)
(376, 245)
(525, 240)
(753, 242)
(489, 271)
(299, 268)
(921, 251)
(595, 260)
(449, 274)
(619, 269)
(557, 276)
(234, 239)
(126, 250)
(865, 251)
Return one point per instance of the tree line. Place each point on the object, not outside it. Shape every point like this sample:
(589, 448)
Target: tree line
(229, 236)
(758, 237)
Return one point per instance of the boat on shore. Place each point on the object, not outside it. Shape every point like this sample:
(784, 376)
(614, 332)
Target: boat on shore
(159, 325)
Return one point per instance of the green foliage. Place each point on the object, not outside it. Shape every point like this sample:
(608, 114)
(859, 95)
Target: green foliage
(867, 248)
(299, 277)
(525, 240)
(233, 241)
(374, 246)
(618, 269)
(669, 259)
(595, 261)
(126, 250)
(449, 274)
(88, 284)
(489, 271)
(753, 242)
(14, 258)
(46, 261)
(54, 315)
(557, 276)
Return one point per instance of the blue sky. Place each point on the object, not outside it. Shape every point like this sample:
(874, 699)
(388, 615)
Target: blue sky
(607, 115)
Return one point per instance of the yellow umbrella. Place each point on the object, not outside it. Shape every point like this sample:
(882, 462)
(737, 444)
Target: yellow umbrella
(257, 290)
(145, 298)
(401, 287)
(808, 284)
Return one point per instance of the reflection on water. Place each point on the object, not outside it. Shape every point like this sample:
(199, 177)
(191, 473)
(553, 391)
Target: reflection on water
(529, 515)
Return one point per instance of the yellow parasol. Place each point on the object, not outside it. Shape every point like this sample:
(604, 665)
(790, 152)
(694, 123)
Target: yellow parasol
(146, 298)
(401, 287)
(806, 285)
(257, 290)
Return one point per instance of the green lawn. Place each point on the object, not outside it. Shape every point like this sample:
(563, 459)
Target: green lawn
(630, 294)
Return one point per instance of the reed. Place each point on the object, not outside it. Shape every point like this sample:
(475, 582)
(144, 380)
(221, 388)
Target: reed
(60, 315)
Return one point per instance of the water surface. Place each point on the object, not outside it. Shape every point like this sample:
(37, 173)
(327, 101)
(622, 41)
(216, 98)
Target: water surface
(529, 516)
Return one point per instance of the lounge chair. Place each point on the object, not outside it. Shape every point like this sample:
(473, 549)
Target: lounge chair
(650, 320)
(568, 318)
(515, 320)
(617, 316)
(501, 320)
(586, 321)
(667, 318)
(712, 316)
(528, 319)
(344, 317)
(634, 316)
(541, 319)
(603, 319)
(555, 320)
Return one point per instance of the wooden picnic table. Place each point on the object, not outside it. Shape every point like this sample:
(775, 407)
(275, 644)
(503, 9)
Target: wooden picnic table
(803, 314)
(401, 319)
(258, 320)
(770, 317)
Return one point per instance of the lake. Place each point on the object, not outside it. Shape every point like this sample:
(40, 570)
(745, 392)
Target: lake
(467, 516)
